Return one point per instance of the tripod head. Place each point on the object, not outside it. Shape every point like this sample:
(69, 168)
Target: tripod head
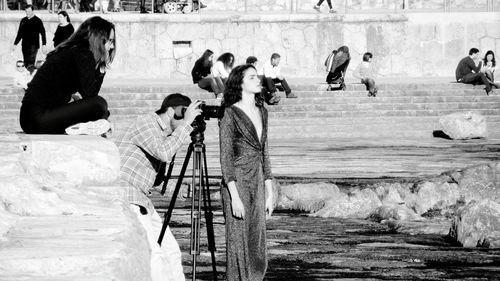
(198, 134)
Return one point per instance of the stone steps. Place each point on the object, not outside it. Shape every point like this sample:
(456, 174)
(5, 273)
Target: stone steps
(405, 110)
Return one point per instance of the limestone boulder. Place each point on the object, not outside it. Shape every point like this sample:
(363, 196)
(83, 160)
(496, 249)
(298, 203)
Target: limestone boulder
(358, 203)
(308, 197)
(393, 213)
(477, 224)
(464, 125)
(434, 195)
(479, 182)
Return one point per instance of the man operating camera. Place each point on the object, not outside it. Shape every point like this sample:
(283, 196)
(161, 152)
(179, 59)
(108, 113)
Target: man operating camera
(151, 140)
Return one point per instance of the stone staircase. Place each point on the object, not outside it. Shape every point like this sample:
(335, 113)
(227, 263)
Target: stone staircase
(401, 110)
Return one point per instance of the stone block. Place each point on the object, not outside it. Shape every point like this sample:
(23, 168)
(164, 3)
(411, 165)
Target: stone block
(464, 125)
(478, 225)
(74, 159)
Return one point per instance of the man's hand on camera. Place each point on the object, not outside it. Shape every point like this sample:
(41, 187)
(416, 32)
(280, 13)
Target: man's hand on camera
(192, 111)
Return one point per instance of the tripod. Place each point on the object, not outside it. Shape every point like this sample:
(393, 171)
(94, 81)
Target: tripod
(199, 186)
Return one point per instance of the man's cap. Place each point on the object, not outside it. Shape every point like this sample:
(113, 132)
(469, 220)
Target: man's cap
(174, 100)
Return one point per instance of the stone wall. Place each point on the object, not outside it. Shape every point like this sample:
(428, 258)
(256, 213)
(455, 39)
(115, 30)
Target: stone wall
(166, 46)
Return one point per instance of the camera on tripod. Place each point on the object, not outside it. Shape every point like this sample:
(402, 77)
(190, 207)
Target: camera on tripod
(207, 112)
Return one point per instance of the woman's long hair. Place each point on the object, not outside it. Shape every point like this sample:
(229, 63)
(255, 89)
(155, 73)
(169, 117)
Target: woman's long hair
(205, 56)
(93, 34)
(345, 50)
(233, 91)
(227, 60)
(485, 61)
(65, 14)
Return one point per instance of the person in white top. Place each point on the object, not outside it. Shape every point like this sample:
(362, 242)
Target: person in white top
(269, 99)
(364, 72)
(489, 65)
(223, 66)
(272, 76)
(21, 77)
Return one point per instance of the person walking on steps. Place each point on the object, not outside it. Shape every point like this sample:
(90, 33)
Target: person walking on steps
(329, 2)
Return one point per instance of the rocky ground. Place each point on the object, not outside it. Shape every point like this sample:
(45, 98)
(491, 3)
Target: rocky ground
(302, 247)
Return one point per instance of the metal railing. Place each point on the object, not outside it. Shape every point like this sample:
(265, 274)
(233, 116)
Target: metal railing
(345, 6)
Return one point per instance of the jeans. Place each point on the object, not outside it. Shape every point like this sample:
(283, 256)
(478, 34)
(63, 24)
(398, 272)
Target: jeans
(270, 84)
(166, 260)
(476, 79)
(35, 119)
(329, 2)
(212, 84)
(29, 57)
(370, 84)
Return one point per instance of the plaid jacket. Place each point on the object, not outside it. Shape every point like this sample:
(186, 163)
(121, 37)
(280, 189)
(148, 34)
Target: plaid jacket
(143, 147)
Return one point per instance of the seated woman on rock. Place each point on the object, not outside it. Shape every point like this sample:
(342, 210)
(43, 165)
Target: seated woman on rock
(77, 65)
(336, 65)
(223, 66)
(202, 76)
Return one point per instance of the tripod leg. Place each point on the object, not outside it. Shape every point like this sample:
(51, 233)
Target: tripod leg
(167, 177)
(168, 214)
(209, 215)
(196, 206)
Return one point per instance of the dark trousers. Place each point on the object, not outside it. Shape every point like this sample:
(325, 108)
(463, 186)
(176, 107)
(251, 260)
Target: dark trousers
(476, 79)
(270, 84)
(370, 84)
(35, 119)
(29, 57)
(212, 84)
(329, 2)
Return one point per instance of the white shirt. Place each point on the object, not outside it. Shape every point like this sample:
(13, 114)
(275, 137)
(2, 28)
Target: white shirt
(271, 71)
(218, 70)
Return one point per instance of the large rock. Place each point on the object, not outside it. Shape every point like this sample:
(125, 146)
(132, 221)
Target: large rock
(62, 212)
(358, 203)
(478, 225)
(464, 125)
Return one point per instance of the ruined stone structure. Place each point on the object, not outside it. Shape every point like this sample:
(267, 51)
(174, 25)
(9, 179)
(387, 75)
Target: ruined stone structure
(166, 46)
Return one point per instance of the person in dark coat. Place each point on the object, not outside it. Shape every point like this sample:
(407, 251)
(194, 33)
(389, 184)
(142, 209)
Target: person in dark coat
(30, 30)
(468, 72)
(78, 65)
(246, 171)
(64, 30)
(201, 74)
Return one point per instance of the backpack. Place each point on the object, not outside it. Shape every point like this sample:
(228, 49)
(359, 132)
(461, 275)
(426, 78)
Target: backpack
(329, 60)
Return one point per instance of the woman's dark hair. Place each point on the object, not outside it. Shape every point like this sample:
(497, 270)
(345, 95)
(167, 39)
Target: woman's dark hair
(64, 14)
(345, 50)
(93, 34)
(232, 93)
(227, 59)
(205, 57)
(367, 56)
(493, 62)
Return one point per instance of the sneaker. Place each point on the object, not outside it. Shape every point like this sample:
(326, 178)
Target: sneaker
(332, 11)
(94, 128)
(291, 96)
(202, 6)
(316, 8)
(274, 100)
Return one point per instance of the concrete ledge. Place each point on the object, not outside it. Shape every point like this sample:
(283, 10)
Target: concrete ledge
(62, 213)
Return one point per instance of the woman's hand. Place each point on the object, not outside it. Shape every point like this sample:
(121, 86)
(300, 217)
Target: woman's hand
(269, 205)
(269, 197)
(238, 208)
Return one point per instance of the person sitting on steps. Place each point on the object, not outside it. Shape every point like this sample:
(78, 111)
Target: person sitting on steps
(468, 72)
(488, 65)
(202, 76)
(264, 95)
(223, 66)
(336, 65)
(364, 72)
(77, 65)
(272, 76)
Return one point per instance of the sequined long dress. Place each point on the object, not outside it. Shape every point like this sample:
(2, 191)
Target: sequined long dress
(245, 160)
